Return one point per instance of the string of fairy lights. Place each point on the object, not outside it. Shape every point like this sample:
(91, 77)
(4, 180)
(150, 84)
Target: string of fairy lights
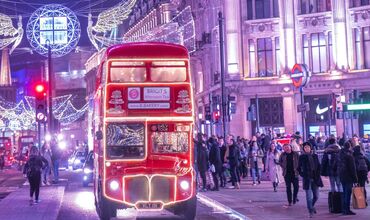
(21, 115)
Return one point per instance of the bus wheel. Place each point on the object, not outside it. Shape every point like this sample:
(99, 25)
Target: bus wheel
(187, 209)
(105, 209)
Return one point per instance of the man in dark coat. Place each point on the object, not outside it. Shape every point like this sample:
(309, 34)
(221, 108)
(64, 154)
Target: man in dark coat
(215, 161)
(329, 166)
(289, 163)
(309, 170)
(202, 162)
(233, 155)
(347, 175)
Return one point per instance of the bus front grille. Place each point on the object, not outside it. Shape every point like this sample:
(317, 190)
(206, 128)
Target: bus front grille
(163, 188)
(136, 189)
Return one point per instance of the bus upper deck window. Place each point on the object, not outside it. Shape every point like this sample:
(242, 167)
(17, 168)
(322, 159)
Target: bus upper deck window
(168, 74)
(127, 74)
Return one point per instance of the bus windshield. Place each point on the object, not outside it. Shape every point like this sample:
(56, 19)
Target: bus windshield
(125, 141)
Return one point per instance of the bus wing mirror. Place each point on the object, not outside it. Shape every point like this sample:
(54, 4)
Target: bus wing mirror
(99, 135)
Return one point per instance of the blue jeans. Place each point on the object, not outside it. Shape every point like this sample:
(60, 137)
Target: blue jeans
(346, 197)
(256, 173)
(56, 170)
(45, 174)
(335, 181)
(312, 195)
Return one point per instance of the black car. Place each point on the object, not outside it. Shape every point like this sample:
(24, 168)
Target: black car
(88, 169)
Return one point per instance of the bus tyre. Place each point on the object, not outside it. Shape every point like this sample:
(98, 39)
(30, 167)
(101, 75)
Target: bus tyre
(105, 208)
(187, 209)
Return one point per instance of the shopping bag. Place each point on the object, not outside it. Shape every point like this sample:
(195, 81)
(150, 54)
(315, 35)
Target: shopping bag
(358, 198)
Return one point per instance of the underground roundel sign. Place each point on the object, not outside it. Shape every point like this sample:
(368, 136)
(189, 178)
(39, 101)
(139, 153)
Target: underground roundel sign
(300, 75)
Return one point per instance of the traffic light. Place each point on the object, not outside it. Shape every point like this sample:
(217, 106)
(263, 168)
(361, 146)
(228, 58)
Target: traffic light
(208, 113)
(40, 101)
(216, 116)
(231, 104)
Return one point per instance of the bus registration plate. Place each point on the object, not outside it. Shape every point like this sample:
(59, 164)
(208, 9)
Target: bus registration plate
(149, 205)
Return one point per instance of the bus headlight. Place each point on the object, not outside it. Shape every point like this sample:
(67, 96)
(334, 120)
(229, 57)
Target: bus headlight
(114, 185)
(184, 185)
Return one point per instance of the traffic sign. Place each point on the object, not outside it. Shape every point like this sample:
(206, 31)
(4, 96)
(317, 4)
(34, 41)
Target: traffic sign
(303, 107)
(300, 75)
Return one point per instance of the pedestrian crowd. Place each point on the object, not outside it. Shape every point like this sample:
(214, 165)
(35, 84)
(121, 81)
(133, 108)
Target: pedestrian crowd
(223, 162)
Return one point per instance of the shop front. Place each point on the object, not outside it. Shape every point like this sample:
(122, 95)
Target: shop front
(320, 120)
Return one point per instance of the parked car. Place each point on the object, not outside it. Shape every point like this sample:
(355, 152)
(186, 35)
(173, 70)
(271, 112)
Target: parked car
(88, 169)
(77, 160)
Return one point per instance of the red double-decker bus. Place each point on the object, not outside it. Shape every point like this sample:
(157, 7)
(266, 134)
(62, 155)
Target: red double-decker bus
(143, 123)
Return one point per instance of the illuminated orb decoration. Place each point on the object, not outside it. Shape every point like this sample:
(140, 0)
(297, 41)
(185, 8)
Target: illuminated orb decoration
(54, 24)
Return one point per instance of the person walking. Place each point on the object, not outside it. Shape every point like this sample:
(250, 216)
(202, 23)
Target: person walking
(223, 161)
(243, 159)
(289, 163)
(256, 156)
(2, 160)
(347, 175)
(56, 155)
(46, 153)
(32, 170)
(233, 159)
(272, 165)
(362, 167)
(202, 162)
(329, 166)
(215, 161)
(309, 170)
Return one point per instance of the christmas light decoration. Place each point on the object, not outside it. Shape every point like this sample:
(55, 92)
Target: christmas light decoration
(107, 21)
(9, 34)
(55, 25)
(22, 115)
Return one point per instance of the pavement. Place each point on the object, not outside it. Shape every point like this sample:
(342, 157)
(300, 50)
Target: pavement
(260, 202)
(69, 200)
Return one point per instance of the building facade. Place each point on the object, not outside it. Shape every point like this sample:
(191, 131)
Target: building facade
(263, 39)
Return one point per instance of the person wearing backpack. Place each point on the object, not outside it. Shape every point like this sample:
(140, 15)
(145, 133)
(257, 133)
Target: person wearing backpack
(362, 166)
(32, 170)
(348, 176)
(329, 165)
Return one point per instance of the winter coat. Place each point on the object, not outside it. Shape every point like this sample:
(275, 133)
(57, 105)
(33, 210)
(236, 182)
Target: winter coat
(266, 142)
(202, 160)
(222, 153)
(346, 167)
(330, 159)
(362, 166)
(308, 172)
(259, 157)
(34, 166)
(283, 162)
(272, 165)
(234, 155)
(215, 157)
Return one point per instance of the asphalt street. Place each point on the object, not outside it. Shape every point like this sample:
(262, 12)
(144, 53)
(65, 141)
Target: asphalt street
(78, 203)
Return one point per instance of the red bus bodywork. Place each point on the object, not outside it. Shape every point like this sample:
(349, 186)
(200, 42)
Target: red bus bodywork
(143, 107)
